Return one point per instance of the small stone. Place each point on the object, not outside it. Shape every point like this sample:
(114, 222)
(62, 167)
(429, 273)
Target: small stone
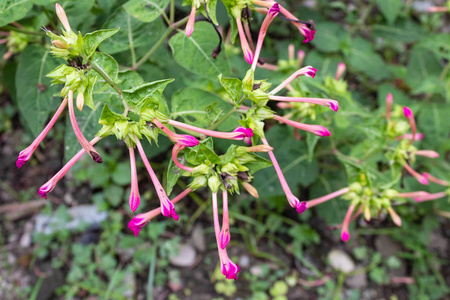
(256, 270)
(25, 240)
(185, 257)
(198, 238)
(244, 261)
(129, 282)
(356, 282)
(341, 261)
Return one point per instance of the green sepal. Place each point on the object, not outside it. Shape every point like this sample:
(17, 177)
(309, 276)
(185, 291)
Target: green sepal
(214, 183)
(247, 82)
(198, 182)
(229, 156)
(109, 117)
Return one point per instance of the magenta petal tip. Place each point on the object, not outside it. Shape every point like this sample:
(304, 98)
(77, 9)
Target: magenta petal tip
(135, 225)
(188, 140)
(407, 112)
(334, 105)
(301, 207)
(245, 132)
(345, 236)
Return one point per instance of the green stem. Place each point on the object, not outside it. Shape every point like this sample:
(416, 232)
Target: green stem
(12, 28)
(105, 76)
(153, 49)
(130, 41)
(223, 119)
(340, 284)
(172, 11)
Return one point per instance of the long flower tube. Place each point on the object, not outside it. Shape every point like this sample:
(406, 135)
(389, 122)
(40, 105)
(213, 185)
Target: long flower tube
(317, 201)
(353, 218)
(140, 220)
(134, 200)
(224, 236)
(238, 134)
(26, 153)
(248, 54)
(408, 136)
(50, 185)
(431, 197)
(80, 137)
(419, 177)
(427, 153)
(167, 207)
(431, 178)
(273, 12)
(307, 71)
(315, 129)
(185, 140)
(228, 268)
(175, 150)
(412, 194)
(293, 201)
(304, 29)
(333, 104)
(345, 235)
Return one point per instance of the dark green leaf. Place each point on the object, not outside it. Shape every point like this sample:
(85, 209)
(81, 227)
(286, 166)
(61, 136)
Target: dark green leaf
(329, 36)
(390, 9)
(234, 88)
(194, 53)
(92, 40)
(13, 10)
(145, 10)
(173, 173)
(34, 91)
(148, 95)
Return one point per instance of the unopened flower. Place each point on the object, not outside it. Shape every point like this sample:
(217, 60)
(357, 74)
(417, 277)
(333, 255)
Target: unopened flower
(250, 189)
(229, 268)
(62, 17)
(431, 178)
(317, 201)
(395, 217)
(134, 199)
(389, 101)
(80, 137)
(307, 71)
(25, 154)
(345, 234)
(183, 139)
(167, 207)
(427, 153)
(238, 134)
(340, 70)
(409, 115)
(315, 129)
(191, 21)
(419, 177)
(431, 197)
(246, 50)
(412, 194)
(137, 223)
(333, 104)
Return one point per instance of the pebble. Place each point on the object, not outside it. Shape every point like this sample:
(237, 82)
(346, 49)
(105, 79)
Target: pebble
(185, 257)
(25, 239)
(244, 261)
(341, 261)
(198, 238)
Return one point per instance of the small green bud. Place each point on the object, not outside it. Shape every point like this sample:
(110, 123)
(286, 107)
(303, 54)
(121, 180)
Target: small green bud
(247, 82)
(105, 131)
(390, 193)
(245, 159)
(198, 182)
(201, 170)
(230, 168)
(214, 183)
(264, 113)
(121, 129)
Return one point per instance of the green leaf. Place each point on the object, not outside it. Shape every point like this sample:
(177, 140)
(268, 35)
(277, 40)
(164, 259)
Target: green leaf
(148, 95)
(259, 163)
(201, 109)
(311, 142)
(13, 10)
(34, 91)
(114, 195)
(194, 53)
(202, 152)
(122, 174)
(87, 120)
(229, 155)
(108, 64)
(92, 40)
(173, 173)
(420, 66)
(407, 32)
(133, 33)
(390, 9)
(329, 36)
(363, 58)
(146, 10)
(211, 7)
(234, 88)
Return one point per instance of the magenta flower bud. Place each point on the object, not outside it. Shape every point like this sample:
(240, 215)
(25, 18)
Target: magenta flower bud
(46, 188)
(431, 178)
(246, 50)
(315, 129)
(345, 236)
(407, 112)
(345, 233)
(274, 10)
(307, 71)
(136, 224)
(134, 199)
(229, 268)
(245, 132)
(307, 33)
(187, 140)
(24, 156)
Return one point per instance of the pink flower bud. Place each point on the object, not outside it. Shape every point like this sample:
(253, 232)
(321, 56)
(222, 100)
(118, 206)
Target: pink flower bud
(229, 268)
(191, 21)
(407, 112)
(187, 140)
(136, 224)
(224, 238)
(301, 207)
(340, 70)
(244, 132)
(168, 209)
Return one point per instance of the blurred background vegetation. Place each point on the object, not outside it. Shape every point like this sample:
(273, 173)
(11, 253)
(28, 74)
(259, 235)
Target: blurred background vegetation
(47, 251)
